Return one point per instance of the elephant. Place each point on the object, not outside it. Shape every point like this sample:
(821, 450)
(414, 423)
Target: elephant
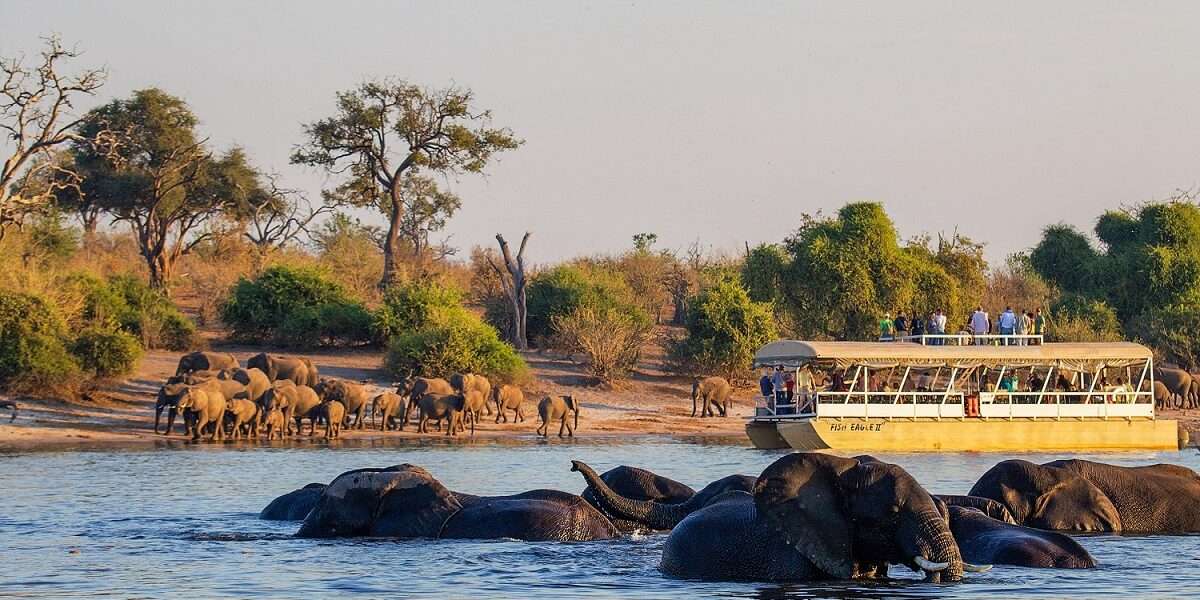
(282, 367)
(9, 404)
(811, 516)
(476, 402)
(171, 392)
(255, 380)
(415, 387)
(1162, 395)
(294, 505)
(207, 406)
(388, 405)
(710, 393)
(638, 484)
(558, 409)
(442, 406)
(984, 540)
(334, 413)
(1178, 381)
(1086, 496)
(275, 424)
(462, 382)
(306, 403)
(987, 506)
(655, 515)
(241, 411)
(406, 501)
(205, 361)
(353, 397)
(508, 397)
(279, 397)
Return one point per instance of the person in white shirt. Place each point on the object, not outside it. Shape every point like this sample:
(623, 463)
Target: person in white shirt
(1024, 324)
(979, 324)
(1008, 323)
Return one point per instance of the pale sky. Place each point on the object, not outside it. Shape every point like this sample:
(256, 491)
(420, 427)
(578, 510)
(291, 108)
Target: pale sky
(714, 121)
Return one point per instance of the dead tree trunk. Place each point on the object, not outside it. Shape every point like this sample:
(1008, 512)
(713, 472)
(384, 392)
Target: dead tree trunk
(514, 288)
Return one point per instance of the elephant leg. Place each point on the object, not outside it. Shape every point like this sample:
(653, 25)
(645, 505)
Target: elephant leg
(562, 426)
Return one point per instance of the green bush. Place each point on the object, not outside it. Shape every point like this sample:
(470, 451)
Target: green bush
(295, 306)
(33, 357)
(106, 352)
(561, 290)
(453, 340)
(724, 329)
(409, 306)
(129, 304)
(1171, 331)
(1077, 318)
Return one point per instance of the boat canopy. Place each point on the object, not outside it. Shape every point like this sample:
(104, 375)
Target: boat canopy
(1075, 356)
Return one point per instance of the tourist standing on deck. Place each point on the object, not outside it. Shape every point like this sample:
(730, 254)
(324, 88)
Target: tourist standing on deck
(768, 391)
(1008, 324)
(887, 328)
(789, 385)
(901, 325)
(777, 384)
(979, 324)
(804, 387)
(940, 325)
(918, 327)
(1039, 323)
(1024, 324)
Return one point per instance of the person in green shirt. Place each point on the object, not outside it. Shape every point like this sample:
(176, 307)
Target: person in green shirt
(887, 329)
(1039, 324)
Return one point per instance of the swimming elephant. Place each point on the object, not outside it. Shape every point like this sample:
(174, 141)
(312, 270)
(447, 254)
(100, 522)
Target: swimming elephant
(415, 387)
(406, 501)
(300, 370)
(205, 361)
(508, 397)
(561, 409)
(353, 397)
(657, 515)
(1081, 495)
(984, 540)
(637, 484)
(294, 505)
(463, 382)
(711, 393)
(813, 516)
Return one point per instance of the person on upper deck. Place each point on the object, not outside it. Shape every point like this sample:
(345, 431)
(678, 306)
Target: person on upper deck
(1008, 323)
(979, 323)
(901, 325)
(777, 384)
(1024, 324)
(1039, 323)
(918, 326)
(887, 328)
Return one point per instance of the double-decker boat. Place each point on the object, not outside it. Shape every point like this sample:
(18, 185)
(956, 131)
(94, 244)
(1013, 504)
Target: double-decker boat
(963, 393)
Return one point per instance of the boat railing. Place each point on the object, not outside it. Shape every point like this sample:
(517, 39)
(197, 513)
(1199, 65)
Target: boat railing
(967, 339)
(1117, 403)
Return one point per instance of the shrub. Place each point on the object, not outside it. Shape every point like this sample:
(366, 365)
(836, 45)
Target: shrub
(1171, 331)
(563, 289)
(454, 340)
(296, 306)
(106, 352)
(127, 303)
(611, 340)
(724, 329)
(409, 306)
(33, 357)
(1076, 318)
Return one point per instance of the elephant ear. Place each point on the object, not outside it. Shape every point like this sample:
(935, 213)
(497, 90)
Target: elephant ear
(800, 496)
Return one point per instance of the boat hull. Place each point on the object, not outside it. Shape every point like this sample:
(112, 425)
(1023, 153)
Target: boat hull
(967, 435)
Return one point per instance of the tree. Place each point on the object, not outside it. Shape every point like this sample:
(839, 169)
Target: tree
(384, 130)
(1065, 257)
(277, 217)
(724, 329)
(514, 288)
(427, 210)
(35, 116)
(155, 175)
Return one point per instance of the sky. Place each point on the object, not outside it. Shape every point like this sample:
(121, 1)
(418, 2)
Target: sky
(716, 122)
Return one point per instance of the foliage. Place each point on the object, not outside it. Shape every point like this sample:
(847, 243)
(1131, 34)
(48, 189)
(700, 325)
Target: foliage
(1171, 331)
(410, 306)
(295, 306)
(127, 304)
(1066, 258)
(610, 339)
(350, 252)
(105, 352)
(1017, 284)
(563, 289)
(763, 272)
(724, 329)
(452, 340)
(33, 356)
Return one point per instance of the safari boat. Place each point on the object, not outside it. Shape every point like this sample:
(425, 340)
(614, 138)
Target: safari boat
(963, 393)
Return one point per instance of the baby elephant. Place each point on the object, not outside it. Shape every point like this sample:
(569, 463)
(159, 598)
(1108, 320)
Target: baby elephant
(239, 412)
(275, 424)
(560, 408)
(442, 406)
(334, 413)
(390, 406)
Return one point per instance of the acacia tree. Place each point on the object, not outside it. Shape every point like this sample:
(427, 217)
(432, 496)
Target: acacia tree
(35, 117)
(386, 129)
(276, 217)
(159, 178)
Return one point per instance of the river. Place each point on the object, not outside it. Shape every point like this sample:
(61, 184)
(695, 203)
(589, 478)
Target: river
(180, 521)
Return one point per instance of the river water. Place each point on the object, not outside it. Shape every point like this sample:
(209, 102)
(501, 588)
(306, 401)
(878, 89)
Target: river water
(180, 521)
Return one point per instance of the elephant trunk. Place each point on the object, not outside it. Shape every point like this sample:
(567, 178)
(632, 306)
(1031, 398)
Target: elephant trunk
(577, 416)
(926, 538)
(987, 506)
(654, 515)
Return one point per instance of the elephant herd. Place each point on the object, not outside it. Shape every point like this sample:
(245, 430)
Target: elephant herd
(273, 395)
(1176, 388)
(806, 516)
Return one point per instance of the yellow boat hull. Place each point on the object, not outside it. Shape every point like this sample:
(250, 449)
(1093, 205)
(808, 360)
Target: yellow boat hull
(967, 435)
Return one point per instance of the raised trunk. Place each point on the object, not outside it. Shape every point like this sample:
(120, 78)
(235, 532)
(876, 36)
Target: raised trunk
(654, 515)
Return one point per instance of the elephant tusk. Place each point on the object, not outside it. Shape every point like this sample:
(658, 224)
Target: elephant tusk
(928, 565)
(970, 568)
